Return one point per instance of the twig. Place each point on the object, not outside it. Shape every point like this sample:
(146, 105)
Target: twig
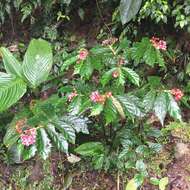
(101, 16)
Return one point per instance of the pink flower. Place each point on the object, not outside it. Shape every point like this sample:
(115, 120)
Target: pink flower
(108, 94)
(177, 93)
(115, 74)
(121, 61)
(28, 137)
(97, 98)
(72, 95)
(109, 41)
(158, 44)
(162, 45)
(83, 54)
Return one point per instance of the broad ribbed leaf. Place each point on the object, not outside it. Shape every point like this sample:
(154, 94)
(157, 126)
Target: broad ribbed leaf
(11, 136)
(11, 64)
(37, 62)
(160, 106)
(11, 90)
(43, 143)
(58, 139)
(128, 9)
(173, 108)
(131, 105)
(132, 75)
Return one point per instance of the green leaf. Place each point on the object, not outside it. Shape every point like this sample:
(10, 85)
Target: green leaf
(86, 69)
(150, 56)
(90, 149)
(98, 161)
(11, 64)
(11, 136)
(128, 9)
(43, 143)
(173, 108)
(110, 112)
(29, 152)
(161, 106)
(131, 75)
(78, 123)
(131, 104)
(69, 62)
(138, 50)
(107, 76)
(96, 109)
(67, 130)
(131, 185)
(148, 101)
(140, 165)
(163, 183)
(38, 61)
(118, 106)
(57, 138)
(11, 90)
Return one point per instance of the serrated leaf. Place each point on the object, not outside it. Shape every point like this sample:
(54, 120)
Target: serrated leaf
(29, 152)
(11, 64)
(131, 104)
(118, 106)
(78, 123)
(110, 112)
(128, 9)
(148, 101)
(57, 138)
(96, 109)
(90, 149)
(131, 75)
(161, 106)
(173, 108)
(43, 143)
(37, 62)
(68, 62)
(107, 76)
(67, 130)
(11, 90)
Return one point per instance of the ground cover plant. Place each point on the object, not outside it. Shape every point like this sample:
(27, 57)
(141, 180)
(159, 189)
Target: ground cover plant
(118, 104)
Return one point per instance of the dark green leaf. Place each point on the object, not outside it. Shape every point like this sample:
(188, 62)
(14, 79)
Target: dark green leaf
(128, 9)
(43, 143)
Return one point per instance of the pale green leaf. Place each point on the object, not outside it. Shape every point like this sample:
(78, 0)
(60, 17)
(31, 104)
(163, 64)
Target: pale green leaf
(11, 90)
(11, 64)
(37, 62)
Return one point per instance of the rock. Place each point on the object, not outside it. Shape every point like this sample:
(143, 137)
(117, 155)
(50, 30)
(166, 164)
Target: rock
(181, 150)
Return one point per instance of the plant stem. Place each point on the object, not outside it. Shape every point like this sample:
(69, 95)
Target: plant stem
(113, 51)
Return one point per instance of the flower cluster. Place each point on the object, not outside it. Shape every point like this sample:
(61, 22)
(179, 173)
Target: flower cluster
(98, 98)
(28, 137)
(177, 93)
(83, 53)
(72, 95)
(115, 74)
(158, 44)
(109, 41)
